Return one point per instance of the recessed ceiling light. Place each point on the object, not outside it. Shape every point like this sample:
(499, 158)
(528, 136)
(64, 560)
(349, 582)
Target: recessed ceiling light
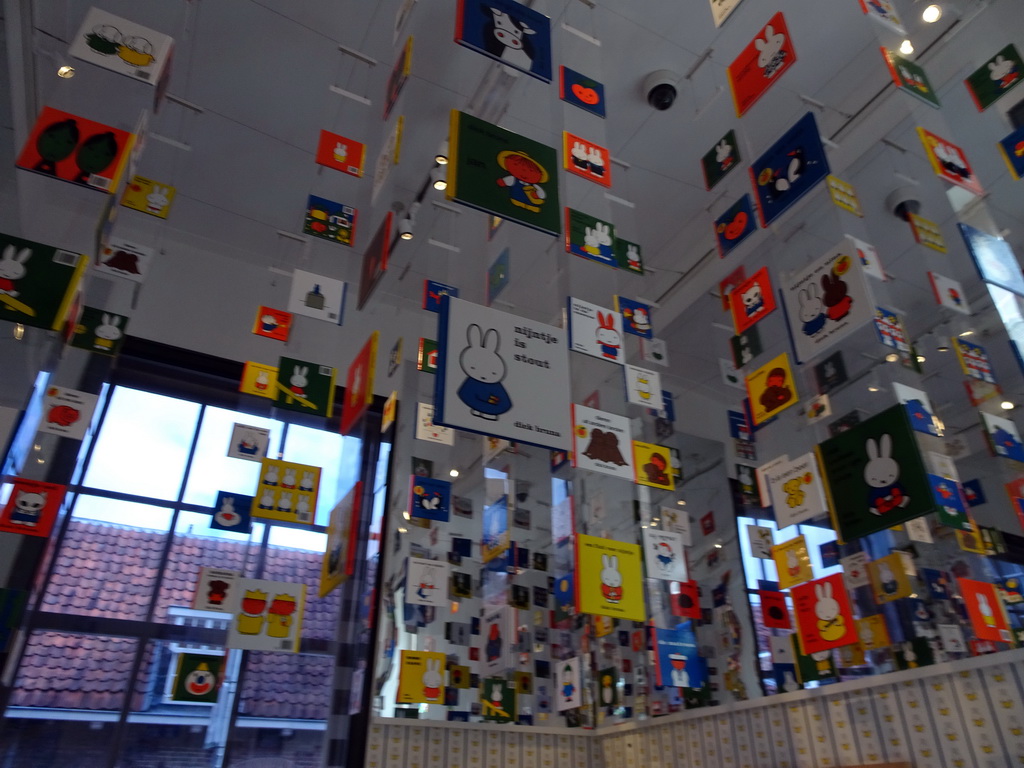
(920, 358)
(1006, 405)
(892, 357)
(66, 72)
(406, 515)
(966, 333)
(873, 387)
(931, 14)
(906, 47)
(454, 472)
(681, 503)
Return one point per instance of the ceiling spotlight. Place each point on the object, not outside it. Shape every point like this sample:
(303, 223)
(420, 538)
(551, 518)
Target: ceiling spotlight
(439, 178)
(966, 333)
(681, 503)
(406, 515)
(873, 387)
(405, 229)
(920, 358)
(941, 346)
(66, 72)
(19, 331)
(931, 14)
(1006, 405)
(906, 47)
(892, 357)
(454, 472)
(441, 158)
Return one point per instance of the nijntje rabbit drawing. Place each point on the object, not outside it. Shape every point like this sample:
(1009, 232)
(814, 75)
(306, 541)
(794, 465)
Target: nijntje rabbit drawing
(880, 473)
(812, 311)
(12, 267)
(611, 579)
(831, 622)
(482, 390)
(432, 679)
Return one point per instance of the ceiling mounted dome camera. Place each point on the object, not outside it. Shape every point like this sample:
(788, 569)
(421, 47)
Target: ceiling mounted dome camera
(660, 89)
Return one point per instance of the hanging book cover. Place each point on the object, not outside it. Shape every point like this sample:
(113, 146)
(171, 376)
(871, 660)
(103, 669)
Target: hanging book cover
(77, 150)
(341, 153)
(949, 293)
(589, 237)
(309, 388)
(375, 260)
(148, 196)
(792, 562)
(919, 409)
(735, 225)
(636, 317)
(884, 12)
(99, 331)
(38, 283)
(752, 300)
(258, 379)
(601, 442)
(286, 491)
(586, 159)
(269, 616)
(827, 301)
(197, 678)
(122, 46)
(993, 258)
(498, 275)
(272, 323)
(609, 578)
(949, 162)
(429, 498)
(824, 618)
(581, 91)
(502, 173)
(317, 296)
(789, 169)
(720, 160)
(797, 492)
(342, 539)
(996, 77)
(32, 507)
(67, 412)
(875, 476)
(927, 232)
(121, 258)
(434, 292)
(398, 78)
(761, 64)
(1012, 150)
(426, 582)
(329, 220)
(628, 256)
(651, 466)
(910, 76)
(232, 512)
(359, 384)
(508, 32)
(771, 389)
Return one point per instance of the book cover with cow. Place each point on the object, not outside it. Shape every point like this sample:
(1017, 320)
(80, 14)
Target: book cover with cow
(507, 32)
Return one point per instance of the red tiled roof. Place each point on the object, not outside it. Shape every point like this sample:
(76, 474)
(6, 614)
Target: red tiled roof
(110, 571)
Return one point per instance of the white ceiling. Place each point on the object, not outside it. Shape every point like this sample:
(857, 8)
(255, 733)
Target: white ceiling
(260, 72)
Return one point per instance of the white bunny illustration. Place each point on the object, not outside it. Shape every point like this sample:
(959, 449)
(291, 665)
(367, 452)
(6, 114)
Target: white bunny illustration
(306, 484)
(641, 320)
(108, 329)
(596, 161)
(226, 515)
(284, 504)
(270, 476)
(482, 390)
(288, 481)
(770, 53)
(633, 258)
(1003, 71)
(812, 311)
(302, 509)
(497, 694)
(298, 381)
(267, 499)
(789, 682)
(262, 380)
(340, 152)
(723, 154)
(831, 622)
(881, 473)
(579, 155)
(792, 563)
(432, 679)
(12, 267)
(744, 476)
(986, 610)
(611, 579)
(909, 656)
(597, 240)
(887, 579)
(157, 200)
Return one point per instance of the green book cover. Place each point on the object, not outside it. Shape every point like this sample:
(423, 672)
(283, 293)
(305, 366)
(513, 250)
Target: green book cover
(989, 82)
(37, 282)
(99, 331)
(305, 387)
(720, 159)
(196, 680)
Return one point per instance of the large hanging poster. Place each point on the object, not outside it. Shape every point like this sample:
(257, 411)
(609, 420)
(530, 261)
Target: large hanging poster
(875, 477)
(74, 149)
(827, 301)
(789, 169)
(269, 616)
(609, 578)
(359, 384)
(760, 65)
(491, 367)
(38, 283)
(601, 442)
(342, 538)
(503, 173)
(122, 46)
(287, 491)
(508, 32)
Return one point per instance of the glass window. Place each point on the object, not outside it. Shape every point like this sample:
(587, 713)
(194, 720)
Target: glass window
(212, 469)
(144, 444)
(313, 446)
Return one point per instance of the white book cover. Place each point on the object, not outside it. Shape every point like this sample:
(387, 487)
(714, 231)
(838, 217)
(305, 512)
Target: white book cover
(121, 258)
(216, 590)
(797, 491)
(67, 412)
(249, 443)
(427, 430)
(122, 46)
(949, 293)
(427, 582)
(595, 331)
(317, 296)
(643, 387)
(268, 616)
(664, 555)
(602, 442)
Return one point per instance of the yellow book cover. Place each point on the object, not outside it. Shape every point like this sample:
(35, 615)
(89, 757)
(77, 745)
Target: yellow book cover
(259, 379)
(287, 491)
(793, 562)
(652, 466)
(609, 578)
(421, 678)
(771, 389)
